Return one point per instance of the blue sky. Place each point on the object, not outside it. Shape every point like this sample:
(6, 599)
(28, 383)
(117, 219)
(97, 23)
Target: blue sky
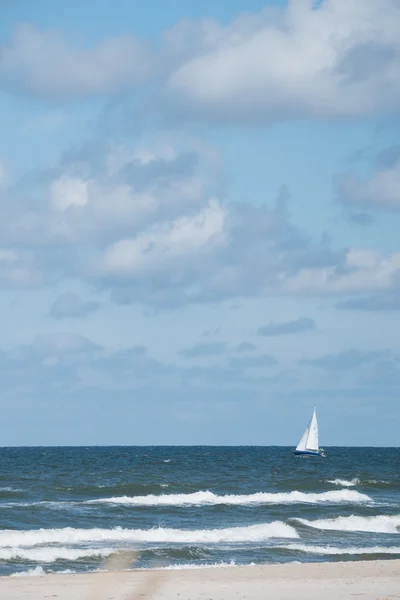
(199, 222)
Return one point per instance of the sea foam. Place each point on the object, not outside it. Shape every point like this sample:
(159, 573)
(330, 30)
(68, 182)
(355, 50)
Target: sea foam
(207, 498)
(35, 572)
(67, 535)
(53, 553)
(332, 550)
(376, 524)
(345, 482)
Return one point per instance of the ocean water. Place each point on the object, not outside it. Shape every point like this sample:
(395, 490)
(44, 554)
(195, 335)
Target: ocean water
(70, 509)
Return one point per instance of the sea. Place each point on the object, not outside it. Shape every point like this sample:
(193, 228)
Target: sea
(75, 509)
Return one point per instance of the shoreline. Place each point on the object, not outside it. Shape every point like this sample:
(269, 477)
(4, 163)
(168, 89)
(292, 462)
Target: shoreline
(373, 580)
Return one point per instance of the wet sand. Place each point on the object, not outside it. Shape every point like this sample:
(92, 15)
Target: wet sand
(367, 580)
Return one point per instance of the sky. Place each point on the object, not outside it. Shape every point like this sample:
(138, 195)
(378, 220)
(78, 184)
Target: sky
(199, 217)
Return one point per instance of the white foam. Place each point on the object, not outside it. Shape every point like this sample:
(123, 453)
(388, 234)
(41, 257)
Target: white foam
(377, 524)
(51, 554)
(331, 550)
(189, 566)
(67, 535)
(207, 498)
(36, 572)
(345, 482)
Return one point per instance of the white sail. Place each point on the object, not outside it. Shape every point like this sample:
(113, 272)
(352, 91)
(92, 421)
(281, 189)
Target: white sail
(302, 445)
(309, 440)
(312, 439)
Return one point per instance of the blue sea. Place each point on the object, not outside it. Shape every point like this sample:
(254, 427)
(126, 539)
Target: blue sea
(72, 509)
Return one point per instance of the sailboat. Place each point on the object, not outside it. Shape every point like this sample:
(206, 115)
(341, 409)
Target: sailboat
(308, 445)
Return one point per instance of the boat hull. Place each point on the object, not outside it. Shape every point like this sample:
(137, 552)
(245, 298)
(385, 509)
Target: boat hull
(307, 453)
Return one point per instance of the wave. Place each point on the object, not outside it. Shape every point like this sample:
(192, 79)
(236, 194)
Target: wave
(331, 550)
(376, 524)
(207, 498)
(35, 572)
(39, 571)
(68, 535)
(52, 554)
(9, 492)
(345, 482)
(356, 481)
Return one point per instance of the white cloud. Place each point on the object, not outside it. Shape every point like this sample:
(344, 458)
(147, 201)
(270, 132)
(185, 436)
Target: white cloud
(169, 244)
(150, 227)
(132, 191)
(338, 60)
(381, 189)
(362, 271)
(100, 196)
(68, 191)
(44, 63)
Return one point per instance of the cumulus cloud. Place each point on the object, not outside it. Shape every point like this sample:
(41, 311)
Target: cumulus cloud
(168, 245)
(46, 64)
(361, 270)
(69, 305)
(223, 250)
(338, 59)
(151, 227)
(287, 327)
(98, 194)
(378, 189)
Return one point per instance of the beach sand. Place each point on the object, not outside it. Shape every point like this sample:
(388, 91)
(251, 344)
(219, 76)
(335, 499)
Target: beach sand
(367, 580)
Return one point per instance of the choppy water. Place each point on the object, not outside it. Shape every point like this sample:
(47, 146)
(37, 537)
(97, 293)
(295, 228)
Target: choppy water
(71, 508)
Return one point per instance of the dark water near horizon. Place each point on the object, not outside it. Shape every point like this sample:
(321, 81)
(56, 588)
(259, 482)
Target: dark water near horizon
(72, 508)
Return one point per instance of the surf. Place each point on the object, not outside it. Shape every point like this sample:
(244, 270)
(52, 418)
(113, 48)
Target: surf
(207, 498)
(250, 533)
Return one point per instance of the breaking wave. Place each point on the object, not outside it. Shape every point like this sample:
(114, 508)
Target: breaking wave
(252, 533)
(35, 572)
(377, 524)
(345, 482)
(332, 550)
(52, 554)
(207, 498)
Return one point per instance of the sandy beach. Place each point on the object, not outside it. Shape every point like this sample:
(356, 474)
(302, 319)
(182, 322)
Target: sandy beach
(369, 580)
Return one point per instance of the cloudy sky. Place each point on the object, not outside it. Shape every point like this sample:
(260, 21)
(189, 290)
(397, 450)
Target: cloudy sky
(199, 221)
